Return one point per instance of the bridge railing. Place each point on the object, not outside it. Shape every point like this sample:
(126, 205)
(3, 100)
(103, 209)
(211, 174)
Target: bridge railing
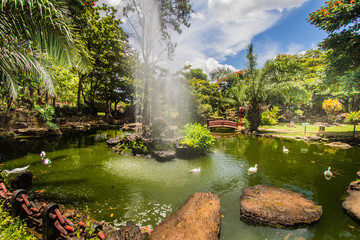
(223, 123)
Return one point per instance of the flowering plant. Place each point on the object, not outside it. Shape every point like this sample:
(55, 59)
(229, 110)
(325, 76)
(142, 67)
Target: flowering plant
(352, 117)
(271, 117)
(331, 106)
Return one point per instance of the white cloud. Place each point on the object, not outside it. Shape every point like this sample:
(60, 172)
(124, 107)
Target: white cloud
(224, 27)
(270, 51)
(207, 65)
(198, 16)
(295, 48)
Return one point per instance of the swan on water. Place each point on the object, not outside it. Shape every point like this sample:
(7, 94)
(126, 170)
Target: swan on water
(328, 174)
(195, 170)
(252, 170)
(16, 170)
(285, 150)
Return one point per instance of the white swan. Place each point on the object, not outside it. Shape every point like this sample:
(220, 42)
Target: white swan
(42, 154)
(285, 150)
(47, 161)
(195, 170)
(16, 170)
(328, 174)
(252, 170)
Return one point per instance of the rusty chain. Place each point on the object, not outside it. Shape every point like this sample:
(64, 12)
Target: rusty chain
(48, 216)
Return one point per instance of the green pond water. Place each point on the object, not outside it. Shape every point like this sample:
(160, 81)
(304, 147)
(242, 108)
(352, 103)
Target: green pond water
(85, 174)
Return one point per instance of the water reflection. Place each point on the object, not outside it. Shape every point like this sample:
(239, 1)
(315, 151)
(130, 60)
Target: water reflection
(85, 174)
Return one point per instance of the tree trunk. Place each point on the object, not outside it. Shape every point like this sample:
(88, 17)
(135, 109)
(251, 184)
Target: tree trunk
(253, 114)
(354, 129)
(81, 79)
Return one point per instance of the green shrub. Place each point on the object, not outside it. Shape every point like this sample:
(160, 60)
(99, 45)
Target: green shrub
(47, 114)
(353, 118)
(12, 228)
(270, 117)
(299, 112)
(196, 136)
(244, 123)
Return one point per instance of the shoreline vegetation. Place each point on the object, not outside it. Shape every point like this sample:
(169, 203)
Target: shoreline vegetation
(312, 132)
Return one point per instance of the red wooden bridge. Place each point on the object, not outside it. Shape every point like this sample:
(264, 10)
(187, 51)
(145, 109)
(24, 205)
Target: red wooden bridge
(222, 123)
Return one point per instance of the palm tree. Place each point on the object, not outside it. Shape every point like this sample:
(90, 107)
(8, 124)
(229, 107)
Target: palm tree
(249, 91)
(280, 80)
(31, 33)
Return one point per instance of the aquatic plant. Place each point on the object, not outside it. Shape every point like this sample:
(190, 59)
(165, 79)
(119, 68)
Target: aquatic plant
(196, 136)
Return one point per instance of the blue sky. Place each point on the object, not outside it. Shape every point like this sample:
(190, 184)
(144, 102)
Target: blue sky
(291, 34)
(221, 30)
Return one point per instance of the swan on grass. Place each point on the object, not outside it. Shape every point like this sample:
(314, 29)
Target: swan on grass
(195, 170)
(252, 170)
(47, 161)
(16, 170)
(285, 150)
(328, 174)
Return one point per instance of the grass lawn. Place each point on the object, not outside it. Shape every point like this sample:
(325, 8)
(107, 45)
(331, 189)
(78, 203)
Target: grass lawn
(343, 130)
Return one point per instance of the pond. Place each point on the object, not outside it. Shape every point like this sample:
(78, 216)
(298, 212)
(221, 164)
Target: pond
(85, 174)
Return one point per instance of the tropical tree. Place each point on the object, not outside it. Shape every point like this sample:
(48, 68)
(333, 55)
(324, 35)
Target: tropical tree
(204, 95)
(255, 91)
(109, 48)
(285, 75)
(353, 118)
(31, 32)
(340, 19)
(250, 91)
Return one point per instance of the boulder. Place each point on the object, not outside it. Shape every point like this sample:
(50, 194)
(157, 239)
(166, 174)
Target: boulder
(197, 218)
(313, 138)
(131, 126)
(128, 232)
(277, 206)
(22, 181)
(113, 141)
(163, 156)
(339, 145)
(351, 203)
(186, 152)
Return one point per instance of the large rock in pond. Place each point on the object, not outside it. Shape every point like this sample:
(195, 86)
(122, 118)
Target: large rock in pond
(128, 232)
(186, 152)
(114, 141)
(277, 206)
(352, 201)
(163, 156)
(23, 181)
(339, 145)
(198, 218)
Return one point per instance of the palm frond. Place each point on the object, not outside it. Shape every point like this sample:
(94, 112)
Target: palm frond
(31, 32)
(220, 72)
